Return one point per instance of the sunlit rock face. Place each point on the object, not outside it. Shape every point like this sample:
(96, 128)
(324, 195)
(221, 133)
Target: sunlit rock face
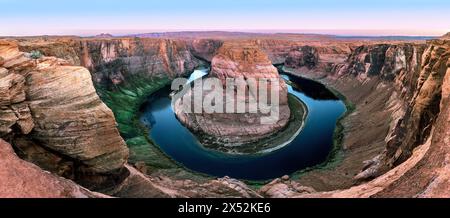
(243, 61)
(50, 110)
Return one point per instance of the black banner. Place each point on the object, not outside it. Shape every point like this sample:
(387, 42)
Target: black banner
(223, 207)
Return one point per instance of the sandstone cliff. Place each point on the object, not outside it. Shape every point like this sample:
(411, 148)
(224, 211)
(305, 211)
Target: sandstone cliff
(405, 153)
(54, 106)
(117, 60)
(21, 179)
(205, 49)
(306, 56)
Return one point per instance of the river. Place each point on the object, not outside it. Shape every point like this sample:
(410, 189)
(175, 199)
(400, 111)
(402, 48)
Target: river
(310, 147)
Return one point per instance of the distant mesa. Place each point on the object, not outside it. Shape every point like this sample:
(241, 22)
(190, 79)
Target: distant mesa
(104, 35)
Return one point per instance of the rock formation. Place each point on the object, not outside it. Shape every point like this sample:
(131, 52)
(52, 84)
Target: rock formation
(239, 60)
(305, 56)
(21, 179)
(205, 49)
(55, 106)
(115, 60)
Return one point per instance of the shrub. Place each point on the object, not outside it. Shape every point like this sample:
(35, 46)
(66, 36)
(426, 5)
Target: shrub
(35, 54)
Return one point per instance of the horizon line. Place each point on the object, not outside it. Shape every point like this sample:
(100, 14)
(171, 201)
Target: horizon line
(324, 32)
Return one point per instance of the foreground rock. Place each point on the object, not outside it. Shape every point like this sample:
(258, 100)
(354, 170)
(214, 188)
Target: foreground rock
(55, 107)
(239, 60)
(20, 179)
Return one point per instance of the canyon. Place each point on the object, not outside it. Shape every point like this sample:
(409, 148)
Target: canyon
(59, 110)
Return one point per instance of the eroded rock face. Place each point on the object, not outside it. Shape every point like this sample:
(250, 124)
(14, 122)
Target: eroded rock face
(424, 106)
(117, 61)
(64, 48)
(305, 56)
(239, 60)
(205, 48)
(20, 179)
(13, 110)
(386, 61)
(140, 185)
(413, 79)
(71, 119)
(55, 106)
(284, 188)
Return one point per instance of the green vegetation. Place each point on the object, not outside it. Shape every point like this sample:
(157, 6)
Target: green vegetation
(125, 101)
(35, 54)
(143, 149)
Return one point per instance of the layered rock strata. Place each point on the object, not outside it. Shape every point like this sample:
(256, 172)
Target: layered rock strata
(46, 102)
(406, 156)
(21, 179)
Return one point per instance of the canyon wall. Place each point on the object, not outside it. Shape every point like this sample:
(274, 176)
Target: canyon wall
(397, 137)
(118, 61)
(415, 72)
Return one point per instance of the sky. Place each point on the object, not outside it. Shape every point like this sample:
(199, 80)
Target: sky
(340, 17)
